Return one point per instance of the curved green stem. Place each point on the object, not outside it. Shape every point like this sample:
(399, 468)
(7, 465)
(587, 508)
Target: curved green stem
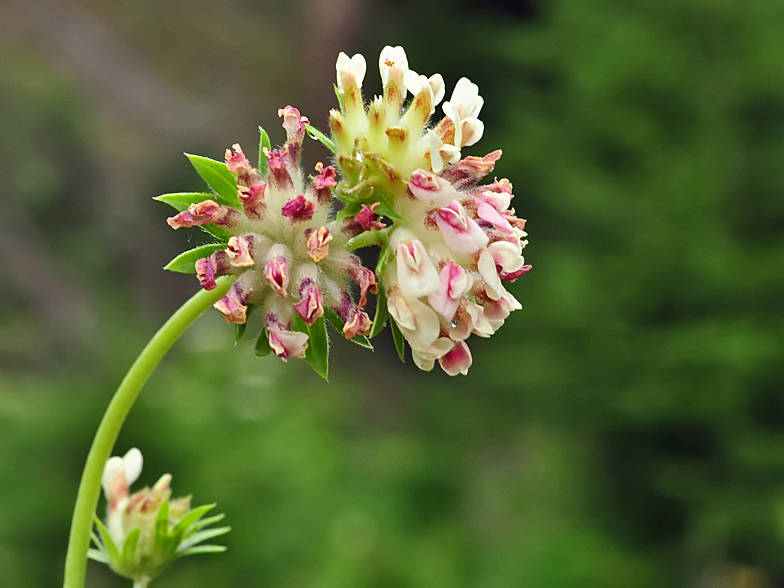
(90, 486)
(368, 238)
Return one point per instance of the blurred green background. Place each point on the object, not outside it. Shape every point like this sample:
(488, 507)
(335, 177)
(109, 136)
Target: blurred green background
(625, 430)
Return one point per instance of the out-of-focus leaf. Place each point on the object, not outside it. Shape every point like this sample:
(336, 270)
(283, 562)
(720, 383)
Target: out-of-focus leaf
(400, 342)
(262, 344)
(203, 549)
(239, 330)
(380, 318)
(317, 353)
(108, 543)
(129, 547)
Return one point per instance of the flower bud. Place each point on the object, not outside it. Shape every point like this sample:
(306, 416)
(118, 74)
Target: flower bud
(146, 531)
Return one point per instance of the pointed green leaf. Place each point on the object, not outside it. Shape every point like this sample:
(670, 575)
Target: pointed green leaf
(218, 177)
(339, 96)
(385, 209)
(317, 353)
(319, 136)
(129, 547)
(180, 201)
(203, 549)
(400, 342)
(111, 548)
(339, 323)
(264, 143)
(95, 539)
(190, 518)
(380, 318)
(162, 528)
(185, 263)
(262, 344)
(387, 255)
(202, 536)
(314, 361)
(200, 524)
(351, 209)
(96, 555)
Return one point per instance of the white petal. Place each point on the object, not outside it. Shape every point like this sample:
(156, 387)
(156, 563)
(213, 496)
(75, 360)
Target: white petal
(132, 463)
(414, 82)
(472, 130)
(507, 255)
(358, 68)
(489, 273)
(113, 468)
(438, 88)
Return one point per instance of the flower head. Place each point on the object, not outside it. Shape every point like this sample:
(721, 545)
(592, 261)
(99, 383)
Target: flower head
(146, 530)
(283, 246)
(453, 242)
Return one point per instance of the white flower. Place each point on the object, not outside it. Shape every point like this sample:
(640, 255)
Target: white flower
(351, 71)
(393, 65)
(440, 153)
(416, 273)
(120, 472)
(417, 321)
(416, 83)
(425, 360)
(463, 109)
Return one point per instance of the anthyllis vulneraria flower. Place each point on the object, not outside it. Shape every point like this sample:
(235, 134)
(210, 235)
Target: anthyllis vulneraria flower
(447, 242)
(146, 531)
(452, 241)
(278, 239)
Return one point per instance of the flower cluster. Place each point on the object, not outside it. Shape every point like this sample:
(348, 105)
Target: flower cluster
(448, 242)
(146, 530)
(283, 247)
(453, 241)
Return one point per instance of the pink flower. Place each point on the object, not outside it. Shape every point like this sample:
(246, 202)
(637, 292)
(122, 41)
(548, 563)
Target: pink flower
(311, 304)
(239, 251)
(461, 233)
(286, 343)
(293, 123)
(252, 200)
(276, 270)
(237, 162)
(299, 208)
(318, 244)
(368, 219)
(486, 212)
(201, 213)
(512, 276)
(232, 306)
(457, 361)
(359, 324)
(430, 189)
(455, 283)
